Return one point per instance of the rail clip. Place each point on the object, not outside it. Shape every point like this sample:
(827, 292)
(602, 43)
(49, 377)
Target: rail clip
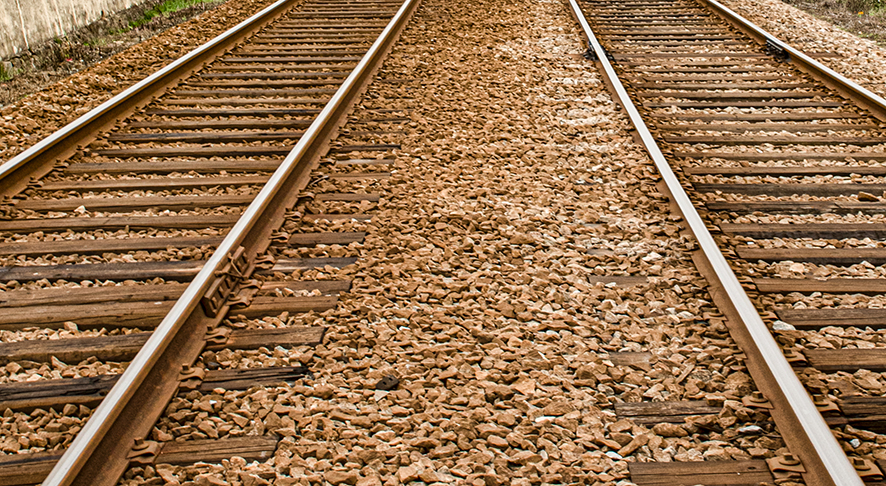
(191, 377)
(785, 467)
(144, 452)
(246, 291)
(756, 400)
(218, 336)
(825, 405)
(867, 469)
(795, 357)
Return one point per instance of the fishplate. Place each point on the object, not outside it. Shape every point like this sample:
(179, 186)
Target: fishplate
(228, 282)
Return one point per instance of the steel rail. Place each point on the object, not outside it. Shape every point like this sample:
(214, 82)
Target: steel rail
(16, 173)
(864, 97)
(251, 232)
(829, 465)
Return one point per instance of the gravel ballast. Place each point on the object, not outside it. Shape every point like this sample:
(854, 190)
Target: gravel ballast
(861, 60)
(481, 286)
(31, 119)
(518, 189)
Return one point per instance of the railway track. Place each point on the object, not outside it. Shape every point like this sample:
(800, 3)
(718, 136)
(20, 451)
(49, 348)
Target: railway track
(780, 161)
(158, 234)
(167, 232)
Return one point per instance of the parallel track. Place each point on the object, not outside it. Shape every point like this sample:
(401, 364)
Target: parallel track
(176, 190)
(787, 171)
(168, 206)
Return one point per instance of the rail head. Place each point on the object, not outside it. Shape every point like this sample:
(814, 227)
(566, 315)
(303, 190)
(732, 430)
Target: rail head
(857, 93)
(250, 231)
(825, 450)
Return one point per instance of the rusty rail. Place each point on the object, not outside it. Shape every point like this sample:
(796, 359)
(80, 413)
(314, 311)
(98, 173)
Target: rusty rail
(100, 453)
(860, 95)
(37, 161)
(824, 459)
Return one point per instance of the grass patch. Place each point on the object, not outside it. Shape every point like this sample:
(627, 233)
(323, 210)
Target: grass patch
(864, 18)
(100, 42)
(165, 8)
(4, 74)
(869, 7)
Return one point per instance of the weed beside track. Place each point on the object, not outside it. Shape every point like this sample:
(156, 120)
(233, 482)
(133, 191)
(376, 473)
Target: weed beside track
(60, 57)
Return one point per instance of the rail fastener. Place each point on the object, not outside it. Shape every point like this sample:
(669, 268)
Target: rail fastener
(862, 96)
(141, 393)
(819, 453)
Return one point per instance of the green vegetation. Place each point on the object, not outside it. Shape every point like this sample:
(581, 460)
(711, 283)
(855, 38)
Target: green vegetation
(165, 8)
(867, 7)
(4, 74)
(99, 42)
